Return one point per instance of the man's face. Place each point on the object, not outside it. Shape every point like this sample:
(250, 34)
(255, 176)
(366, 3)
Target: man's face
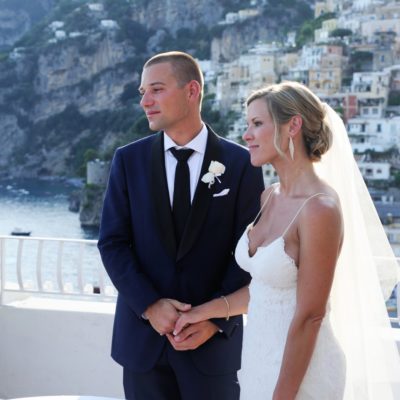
(164, 102)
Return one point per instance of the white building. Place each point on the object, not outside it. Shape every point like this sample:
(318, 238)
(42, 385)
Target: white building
(363, 4)
(97, 172)
(322, 35)
(208, 70)
(96, 7)
(55, 25)
(374, 170)
(238, 78)
(60, 35)
(371, 84)
(378, 134)
(241, 15)
(310, 57)
(350, 20)
(108, 24)
(383, 19)
(75, 34)
(17, 52)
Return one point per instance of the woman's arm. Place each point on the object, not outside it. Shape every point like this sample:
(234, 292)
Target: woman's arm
(216, 308)
(320, 234)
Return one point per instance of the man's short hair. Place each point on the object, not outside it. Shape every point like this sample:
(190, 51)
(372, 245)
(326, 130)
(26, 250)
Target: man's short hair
(185, 68)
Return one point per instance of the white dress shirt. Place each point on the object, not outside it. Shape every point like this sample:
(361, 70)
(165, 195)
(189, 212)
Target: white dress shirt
(195, 161)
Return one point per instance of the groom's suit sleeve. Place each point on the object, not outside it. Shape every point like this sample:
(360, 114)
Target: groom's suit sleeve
(250, 188)
(116, 246)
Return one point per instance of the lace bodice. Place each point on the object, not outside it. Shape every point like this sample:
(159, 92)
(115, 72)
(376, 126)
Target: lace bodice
(262, 266)
(270, 312)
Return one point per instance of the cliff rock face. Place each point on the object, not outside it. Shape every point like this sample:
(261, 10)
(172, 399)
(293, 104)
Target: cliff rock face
(91, 205)
(235, 38)
(61, 78)
(11, 138)
(92, 82)
(18, 16)
(13, 26)
(175, 14)
(72, 88)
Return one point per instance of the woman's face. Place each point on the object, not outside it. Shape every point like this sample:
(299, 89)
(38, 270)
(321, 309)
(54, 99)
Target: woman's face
(260, 133)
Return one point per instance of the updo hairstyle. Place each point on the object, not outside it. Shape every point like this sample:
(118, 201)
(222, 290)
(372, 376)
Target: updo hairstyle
(287, 99)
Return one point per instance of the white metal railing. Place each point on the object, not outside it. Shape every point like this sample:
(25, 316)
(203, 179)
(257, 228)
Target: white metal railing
(69, 267)
(396, 319)
(53, 266)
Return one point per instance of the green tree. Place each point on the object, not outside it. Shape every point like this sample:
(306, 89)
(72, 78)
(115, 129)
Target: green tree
(306, 31)
(394, 98)
(396, 179)
(361, 60)
(341, 32)
(90, 155)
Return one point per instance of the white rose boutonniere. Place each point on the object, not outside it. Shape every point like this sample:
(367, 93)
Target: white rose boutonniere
(215, 170)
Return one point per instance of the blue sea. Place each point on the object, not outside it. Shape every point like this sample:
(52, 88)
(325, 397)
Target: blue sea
(40, 206)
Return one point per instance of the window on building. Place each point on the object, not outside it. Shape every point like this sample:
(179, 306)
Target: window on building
(379, 171)
(374, 110)
(379, 128)
(369, 172)
(365, 111)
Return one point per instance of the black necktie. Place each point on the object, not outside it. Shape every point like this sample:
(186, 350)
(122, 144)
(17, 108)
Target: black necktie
(181, 199)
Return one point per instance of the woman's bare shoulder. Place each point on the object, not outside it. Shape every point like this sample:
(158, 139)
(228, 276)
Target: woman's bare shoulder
(322, 210)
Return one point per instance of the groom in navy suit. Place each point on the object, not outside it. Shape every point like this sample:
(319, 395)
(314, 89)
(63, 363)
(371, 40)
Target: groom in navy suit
(169, 228)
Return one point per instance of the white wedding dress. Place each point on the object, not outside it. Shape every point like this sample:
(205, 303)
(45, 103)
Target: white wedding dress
(365, 275)
(270, 312)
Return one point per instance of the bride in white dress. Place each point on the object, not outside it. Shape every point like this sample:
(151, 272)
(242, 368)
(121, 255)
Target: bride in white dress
(290, 348)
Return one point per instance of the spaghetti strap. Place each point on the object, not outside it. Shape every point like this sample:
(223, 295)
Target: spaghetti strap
(274, 186)
(299, 210)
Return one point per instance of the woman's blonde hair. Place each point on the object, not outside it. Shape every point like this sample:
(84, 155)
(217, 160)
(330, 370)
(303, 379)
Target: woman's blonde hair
(287, 99)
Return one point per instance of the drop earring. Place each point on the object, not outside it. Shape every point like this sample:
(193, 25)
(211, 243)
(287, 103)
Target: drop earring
(291, 148)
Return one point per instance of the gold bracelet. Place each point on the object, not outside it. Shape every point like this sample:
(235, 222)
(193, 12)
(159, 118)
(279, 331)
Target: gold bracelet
(227, 308)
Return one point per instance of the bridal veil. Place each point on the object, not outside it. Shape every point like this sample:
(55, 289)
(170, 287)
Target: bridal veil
(365, 275)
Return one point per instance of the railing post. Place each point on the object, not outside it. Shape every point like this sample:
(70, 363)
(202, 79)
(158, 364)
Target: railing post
(2, 269)
(19, 263)
(25, 251)
(39, 277)
(59, 266)
(82, 247)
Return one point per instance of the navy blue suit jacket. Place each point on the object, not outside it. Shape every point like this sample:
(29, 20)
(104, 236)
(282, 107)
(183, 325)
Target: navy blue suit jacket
(139, 252)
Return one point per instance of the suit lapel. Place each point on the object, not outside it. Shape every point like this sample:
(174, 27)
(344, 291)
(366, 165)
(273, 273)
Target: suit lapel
(202, 197)
(160, 196)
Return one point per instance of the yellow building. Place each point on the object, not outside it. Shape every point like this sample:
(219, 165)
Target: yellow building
(327, 79)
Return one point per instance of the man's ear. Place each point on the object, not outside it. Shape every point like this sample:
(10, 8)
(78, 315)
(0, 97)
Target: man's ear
(295, 125)
(194, 90)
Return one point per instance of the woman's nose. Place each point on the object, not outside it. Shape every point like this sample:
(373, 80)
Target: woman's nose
(246, 135)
